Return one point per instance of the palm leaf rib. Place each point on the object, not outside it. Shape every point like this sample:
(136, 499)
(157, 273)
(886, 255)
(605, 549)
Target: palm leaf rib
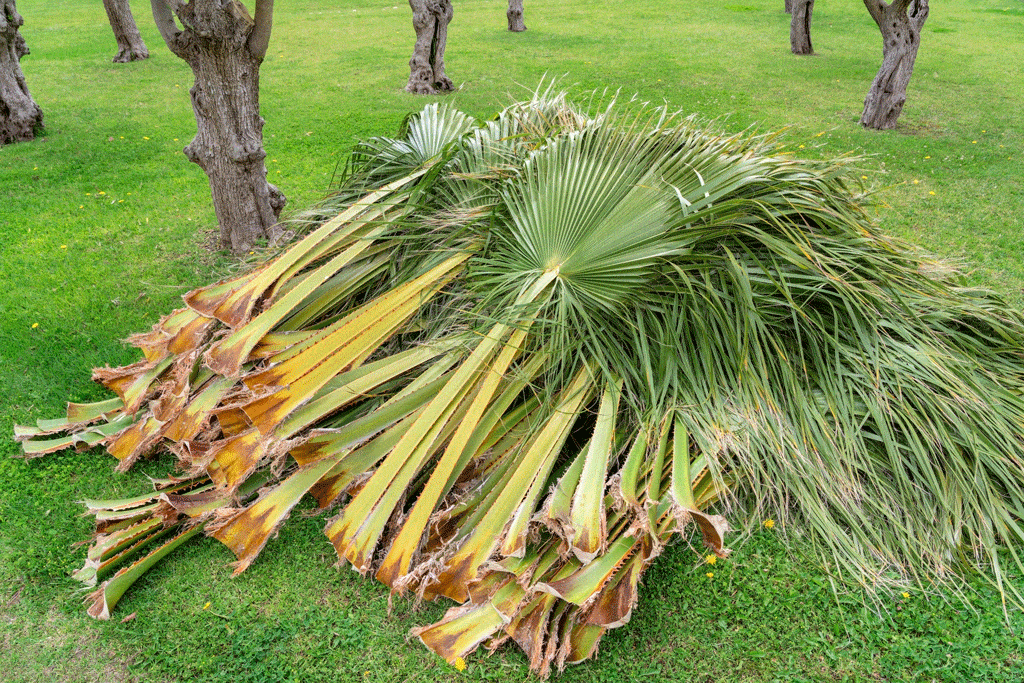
(518, 357)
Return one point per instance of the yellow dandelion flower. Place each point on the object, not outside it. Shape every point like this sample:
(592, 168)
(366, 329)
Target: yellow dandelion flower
(974, 142)
(35, 325)
(101, 192)
(711, 559)
(916, 181)
(863, 177)
(769, 524)
(145, 137)
(206, 606)
(710, 575)
(81, 206)
(801, 147)
(460, 663)
(63, 246)
(931, 192)
(907, 595)
(928, 157)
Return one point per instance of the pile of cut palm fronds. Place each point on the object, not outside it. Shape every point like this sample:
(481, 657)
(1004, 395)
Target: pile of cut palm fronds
(517, 357)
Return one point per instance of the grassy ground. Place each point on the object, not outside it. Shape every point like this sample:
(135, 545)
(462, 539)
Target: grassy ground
(104, 224)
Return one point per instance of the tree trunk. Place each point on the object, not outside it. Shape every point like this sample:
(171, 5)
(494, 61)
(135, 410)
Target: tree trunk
(430, 18)
(225, 48)
(515, 16)
(900, 24)
(800, 27)
(129, 42)
(789, 6)
(20, 116)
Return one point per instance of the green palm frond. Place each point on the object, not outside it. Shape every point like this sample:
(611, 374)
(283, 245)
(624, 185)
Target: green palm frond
(517, 357)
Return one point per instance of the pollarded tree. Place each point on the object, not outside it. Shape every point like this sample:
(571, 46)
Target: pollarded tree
(430, 18)
(225, 46)
(900, 24)
(515, 16)
(800, 27)
(20, 116)
(130, 46)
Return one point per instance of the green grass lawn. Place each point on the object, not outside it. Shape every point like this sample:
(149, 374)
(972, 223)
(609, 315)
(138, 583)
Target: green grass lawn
(104, 225)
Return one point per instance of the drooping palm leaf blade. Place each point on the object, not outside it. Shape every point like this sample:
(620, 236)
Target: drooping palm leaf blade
(518, 357)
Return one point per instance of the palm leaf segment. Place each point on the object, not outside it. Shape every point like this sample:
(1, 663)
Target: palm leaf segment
(519, 356)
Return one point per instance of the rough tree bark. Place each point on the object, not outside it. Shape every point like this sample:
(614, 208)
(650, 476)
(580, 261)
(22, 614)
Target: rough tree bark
(430, 18)
(225, 47)
(789, 6)
(20, 116)
(130, 46)
(900, 24)
(515, 16)
(800, 27)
